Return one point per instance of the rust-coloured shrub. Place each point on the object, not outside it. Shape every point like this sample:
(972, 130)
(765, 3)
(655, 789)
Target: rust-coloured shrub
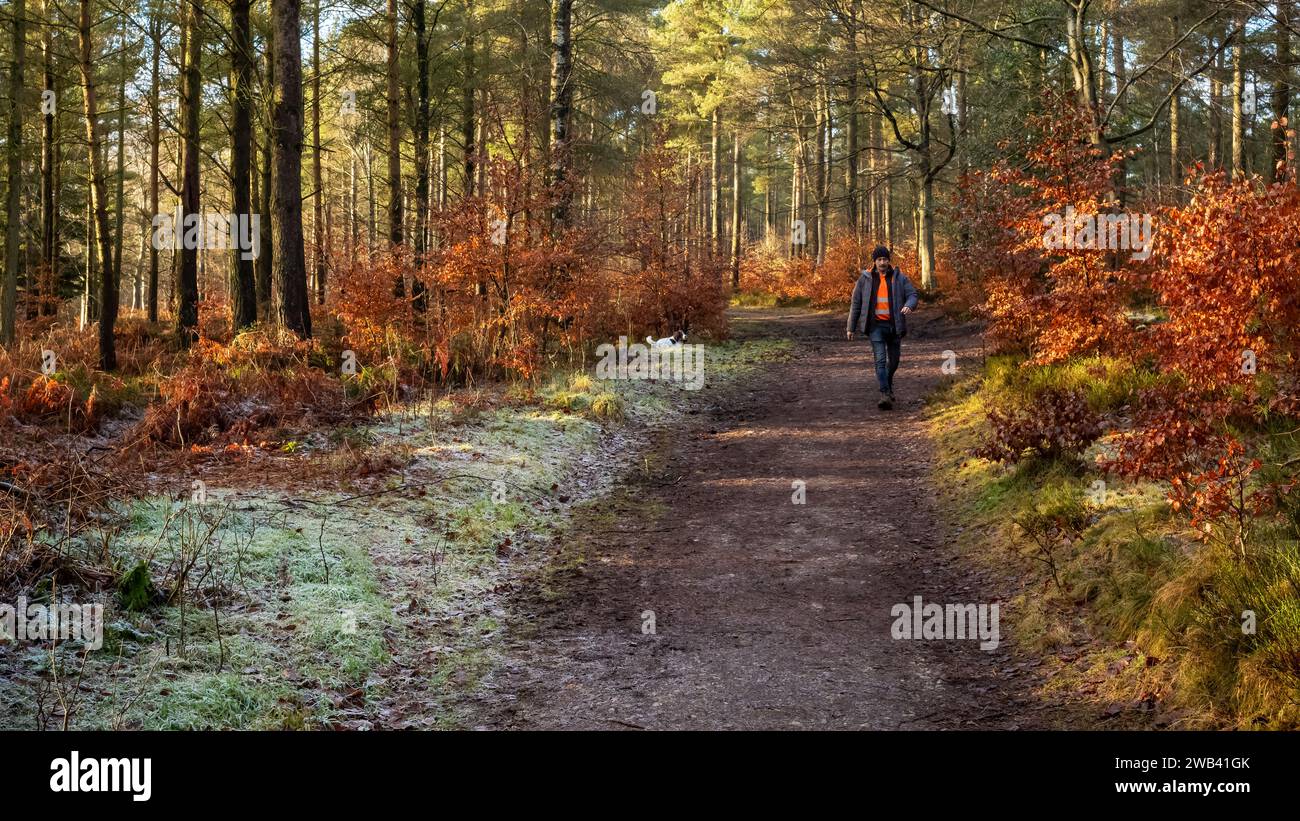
(1056, 424)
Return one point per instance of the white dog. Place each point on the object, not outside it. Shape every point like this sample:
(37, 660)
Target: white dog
(668, 341)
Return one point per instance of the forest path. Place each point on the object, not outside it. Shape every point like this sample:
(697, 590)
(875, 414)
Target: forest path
(769, 614)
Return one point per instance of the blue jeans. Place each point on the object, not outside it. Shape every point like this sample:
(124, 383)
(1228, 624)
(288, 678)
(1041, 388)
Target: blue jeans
(885, 344)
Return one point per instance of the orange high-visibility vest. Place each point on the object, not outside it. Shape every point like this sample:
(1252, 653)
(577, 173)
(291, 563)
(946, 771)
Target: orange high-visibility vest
(882, 299)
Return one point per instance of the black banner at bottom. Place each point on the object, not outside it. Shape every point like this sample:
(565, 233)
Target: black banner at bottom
(228, 772)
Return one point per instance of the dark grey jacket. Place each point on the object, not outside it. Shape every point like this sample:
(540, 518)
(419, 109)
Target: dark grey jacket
(901, 293)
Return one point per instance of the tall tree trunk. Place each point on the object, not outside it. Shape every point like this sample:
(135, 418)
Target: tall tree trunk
(140, 251)
(963, 122)
(48, 168)
(925, 228)
(769, 201)
(1238, 107)
(873, 195)
(90, 293)
(736, 211)
(265, 262)
(187, 323)
(561, 110)
(467, 102)
(372, 221)
(1214, 152)
(354, 236)
(852, 218)
(14, 150)
(887, 203)
(795, 167)
(484, 95)
(155, 143)
(442, 167)
(120, 199)
(243, 288)
(98, 195)
(1282, 89)
(819, 183)
(715, 185)
(798, 227)
(1175, 167)
(290, 270)
(422, 120)
(1117, 50)
(418, 25)
(317, 225)
(394, 139)
(1081, 65)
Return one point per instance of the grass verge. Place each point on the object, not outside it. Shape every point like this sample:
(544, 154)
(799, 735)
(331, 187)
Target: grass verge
(1134, 612)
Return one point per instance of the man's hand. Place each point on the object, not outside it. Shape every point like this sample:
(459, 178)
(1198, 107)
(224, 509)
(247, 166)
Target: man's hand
(849, 334)
(906, 310)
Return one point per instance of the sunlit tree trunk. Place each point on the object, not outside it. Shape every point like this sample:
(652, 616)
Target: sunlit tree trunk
(467, 103)
(120, 199)
(155, 143)
(50, 155)
(1282, 89)
(421, 129)
(737, 222)
(98, 194)
(265, 263)
(1238, 106)
(318, 196)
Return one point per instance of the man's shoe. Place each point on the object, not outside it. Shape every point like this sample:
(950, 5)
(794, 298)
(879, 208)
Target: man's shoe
(886, 401)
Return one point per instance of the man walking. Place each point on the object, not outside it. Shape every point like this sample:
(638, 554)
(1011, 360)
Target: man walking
(882, 299)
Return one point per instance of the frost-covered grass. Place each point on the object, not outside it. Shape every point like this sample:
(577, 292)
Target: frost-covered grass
(299, 603)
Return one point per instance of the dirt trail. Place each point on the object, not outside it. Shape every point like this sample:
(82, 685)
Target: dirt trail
(770, 614)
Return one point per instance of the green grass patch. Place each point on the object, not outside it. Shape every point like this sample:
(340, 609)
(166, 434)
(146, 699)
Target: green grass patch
(1156, 607)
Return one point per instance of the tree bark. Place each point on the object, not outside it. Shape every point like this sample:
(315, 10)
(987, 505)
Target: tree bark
(1282, 90)
(715, 185)
(372, 221)
(155, 142)
(418, 25)
(1238, 107)
(561, 111)
(394, 139)
(851, 160)
(98, 196)
(819, 183)
(187, 323)
(243, 290)
(736, 211)
(1214, 150)
(319, 253)
(265, 262)
(14, 150)
(290, 267)
(467, 103)
(50, 155)
(1175, 167)
(120, 199)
